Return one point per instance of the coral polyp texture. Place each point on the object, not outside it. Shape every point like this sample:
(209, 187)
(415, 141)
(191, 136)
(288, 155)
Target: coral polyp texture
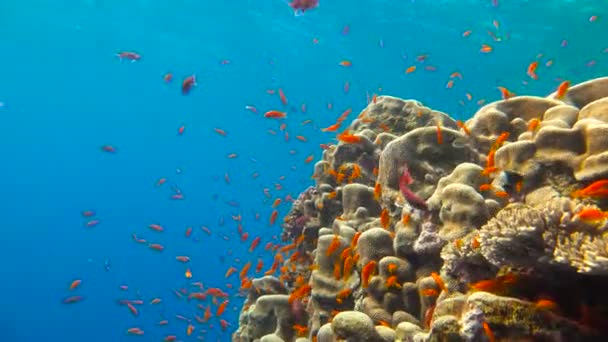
(424, 228)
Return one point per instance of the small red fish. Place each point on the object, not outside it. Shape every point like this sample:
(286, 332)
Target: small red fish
(108, 148)
(72, 299)
(188, 83)
(92, 223)
(129, 55)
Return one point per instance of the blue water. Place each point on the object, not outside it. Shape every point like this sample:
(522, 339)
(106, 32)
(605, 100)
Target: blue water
(65, 94)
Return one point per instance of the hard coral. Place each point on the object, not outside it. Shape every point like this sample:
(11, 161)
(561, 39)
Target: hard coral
(489, 239)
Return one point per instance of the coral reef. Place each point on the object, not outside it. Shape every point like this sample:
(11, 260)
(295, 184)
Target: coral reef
(424, 228)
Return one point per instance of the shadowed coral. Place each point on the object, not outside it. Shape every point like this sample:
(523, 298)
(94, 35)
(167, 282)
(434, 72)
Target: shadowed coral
(461, 208)
(355, 196)
(269, 314)
(375, 244)
(354, 326)
(426, 159)
(581, 147)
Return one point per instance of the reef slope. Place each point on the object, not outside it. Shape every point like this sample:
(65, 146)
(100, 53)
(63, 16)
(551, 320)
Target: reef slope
(423, 228)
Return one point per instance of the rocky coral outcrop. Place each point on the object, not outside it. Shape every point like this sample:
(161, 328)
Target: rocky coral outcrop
(422, 228)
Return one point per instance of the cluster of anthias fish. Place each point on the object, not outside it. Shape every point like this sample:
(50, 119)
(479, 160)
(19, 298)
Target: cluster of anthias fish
(213, 302)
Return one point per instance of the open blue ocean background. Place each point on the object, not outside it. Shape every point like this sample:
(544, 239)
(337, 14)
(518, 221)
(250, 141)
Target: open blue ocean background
(64, 94)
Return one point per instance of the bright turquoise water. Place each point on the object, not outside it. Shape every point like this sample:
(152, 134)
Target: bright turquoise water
(64, 94)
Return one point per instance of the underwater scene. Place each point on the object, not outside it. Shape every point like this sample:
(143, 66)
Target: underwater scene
(304, 170)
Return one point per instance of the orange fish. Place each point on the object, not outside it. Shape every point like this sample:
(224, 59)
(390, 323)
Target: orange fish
(259, 266)
(282, 97)
(439, 135)
(497, 285)
(439, 281)
(377, 191)
(592, 215)
(221, 308)
(244, 270)
(410, 69)
(168, 77)
(189, 329)
(532, 70)
(545, 304)
(332, 128)
(562, 89)
(254, 244)
(461, 125)
(466, 33)
(392, 282)
(309, 159)
(230, 271)
(597, 189)
(456, 74)
(353, 243)
(346, 63)
(348, 267)
(385, 219)
(533, 125)
(485, 187)
(301, 330)
(348, 138)
(75, 284)
(300, 292)
(485, 48)
(275, 114)
(429, 293)
(368, 270)
(405, 219)
(488, 331)
(188, 273)
(333, 246)
(343, 295)
(501, 194)
(273, 217)
(506, 94)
